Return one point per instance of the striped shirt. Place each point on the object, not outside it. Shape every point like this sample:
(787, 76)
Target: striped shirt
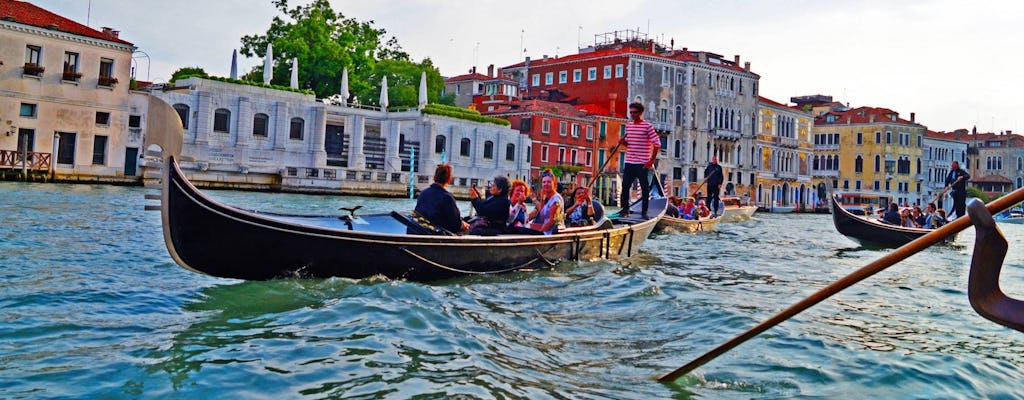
(640, 140)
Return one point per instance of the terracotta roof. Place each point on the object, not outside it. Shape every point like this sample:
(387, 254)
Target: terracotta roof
(860, 115)
(468, 77)
(29, 14)
(992, 179)
(678, 55)
(593, 109)
(527, 106)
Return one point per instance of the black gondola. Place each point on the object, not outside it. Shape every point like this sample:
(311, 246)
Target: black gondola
(212, 238)
(872, 232)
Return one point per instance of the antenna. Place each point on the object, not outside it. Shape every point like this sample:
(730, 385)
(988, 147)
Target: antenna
(88, 13)
(476, 54)
(579, 38)
(522, 42)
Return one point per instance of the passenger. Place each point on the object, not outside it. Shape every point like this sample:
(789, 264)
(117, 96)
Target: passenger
(940, 218)
(929, 216)
(919, 218)
(492, 213)
(585, 210)
(688, 210)
(548, 208)
(892, 215)
(517, 213)
(438, 206)
(907, 220)
(702, 210)
(673, 211)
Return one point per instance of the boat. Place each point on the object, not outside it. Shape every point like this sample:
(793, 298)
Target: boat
(674, 224)
(735, 209)
(208, 237)
(872, 232)
(1014, 216)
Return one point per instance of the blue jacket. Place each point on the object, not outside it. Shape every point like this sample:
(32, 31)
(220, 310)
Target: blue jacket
(438, 206)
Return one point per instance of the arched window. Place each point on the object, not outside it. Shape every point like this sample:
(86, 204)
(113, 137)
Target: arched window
(693, 149)
(1020, 164)
(183, 113)
(878, 163)
(439, 144)
(678, 149)
(296, 128)
(260, 124)
(464, 147)
(489, 150)
(679, 115)
(815, 163)
(221, 120)
(858, 164)
(510, 152)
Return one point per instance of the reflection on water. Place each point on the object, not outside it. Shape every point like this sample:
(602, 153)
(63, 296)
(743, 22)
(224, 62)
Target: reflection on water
(94, 308)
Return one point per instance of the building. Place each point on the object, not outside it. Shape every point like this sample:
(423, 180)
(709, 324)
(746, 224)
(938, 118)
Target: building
(247, 136)
(481, 92)
(702, 104)
(782, 154)
(870, 150)
(65, 99)
(940, 150)
(994, 160)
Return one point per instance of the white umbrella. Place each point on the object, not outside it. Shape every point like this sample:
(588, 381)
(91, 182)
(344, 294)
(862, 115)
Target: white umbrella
(384, 93)
(295, 73)
(344, 86)
(234, 64)
(423, 89)
(268, 64)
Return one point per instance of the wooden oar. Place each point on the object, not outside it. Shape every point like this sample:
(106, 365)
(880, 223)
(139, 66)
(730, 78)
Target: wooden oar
(944, 190)
(875, 267)
(705, 181)
(604, 164)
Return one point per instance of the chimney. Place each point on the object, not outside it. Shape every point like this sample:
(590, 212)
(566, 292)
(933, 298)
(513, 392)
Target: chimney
(473, 70)
(490, 71)
(746, 66)
(611, 103)
(527, 63)
(912, 117)
(545, 57)
(702, 57)
(499, 72)
(736, 59)
(107, 31)
(871, 118)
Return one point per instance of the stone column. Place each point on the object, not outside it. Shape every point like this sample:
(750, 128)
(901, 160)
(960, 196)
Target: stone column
(282, 122)
(243, 131)
(356, 156)
(391, 151)
(204, 119)
(318, 128)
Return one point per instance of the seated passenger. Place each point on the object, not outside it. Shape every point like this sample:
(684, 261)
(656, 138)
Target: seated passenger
(702, 210)
(688, 210)
(892, 215)
(437, 205)
(517, 213)
(585, 210)
(907, 220)
(673, 209)
(919, 218)
(940, 218)
(548, 207)
(492, 213)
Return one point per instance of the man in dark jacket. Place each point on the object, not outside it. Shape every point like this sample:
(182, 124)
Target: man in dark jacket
(713, 173)
(438, 206)
(957, 180)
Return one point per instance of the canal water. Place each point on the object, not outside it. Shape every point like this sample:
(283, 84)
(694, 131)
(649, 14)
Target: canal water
(91, 306)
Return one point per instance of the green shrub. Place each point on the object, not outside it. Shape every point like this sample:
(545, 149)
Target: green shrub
(462, 113)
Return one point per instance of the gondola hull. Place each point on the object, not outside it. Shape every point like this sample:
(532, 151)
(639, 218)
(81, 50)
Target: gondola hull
(737, 214)
(871, 232)
(211, 238)
(673, 224)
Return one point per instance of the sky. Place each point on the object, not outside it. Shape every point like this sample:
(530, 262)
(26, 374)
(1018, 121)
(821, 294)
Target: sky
(953, 63)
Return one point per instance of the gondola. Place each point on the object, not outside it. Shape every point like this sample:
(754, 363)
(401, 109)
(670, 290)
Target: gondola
(735, 210)
(871, 232)
(212, 238)
(673, 224)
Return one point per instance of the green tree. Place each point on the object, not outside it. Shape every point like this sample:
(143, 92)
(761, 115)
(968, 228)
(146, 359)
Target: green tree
(188, 72)
(325, 43)
(975, 192)
(403, 82)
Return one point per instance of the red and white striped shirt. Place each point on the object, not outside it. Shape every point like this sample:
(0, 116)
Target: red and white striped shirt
(640, 140)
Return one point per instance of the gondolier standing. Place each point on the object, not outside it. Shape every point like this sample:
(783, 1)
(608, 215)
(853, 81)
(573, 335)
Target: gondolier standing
(957, 180)
(642, 146)
(713, 173)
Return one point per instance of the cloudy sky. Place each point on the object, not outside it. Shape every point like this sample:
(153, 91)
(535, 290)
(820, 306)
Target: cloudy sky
(955, 63)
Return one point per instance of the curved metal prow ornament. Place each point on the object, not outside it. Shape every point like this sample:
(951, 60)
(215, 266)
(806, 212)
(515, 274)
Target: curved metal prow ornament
(986, 263)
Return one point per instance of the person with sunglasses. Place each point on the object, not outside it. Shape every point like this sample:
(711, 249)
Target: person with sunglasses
(642, 146)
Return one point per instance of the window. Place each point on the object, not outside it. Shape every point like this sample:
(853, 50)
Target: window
(677, 149)
(572, 156)
(71, 66)
(28, 110)
(666, 76)
(439, 144)
(525, 124)
(464, 147)
(577, 75)
(66, 149)
(888, 137)
(549, 78)
(857, 187)
(603, 130)
(99, 150)
(860, 138)
(510, 152)
(182, 110)
(588, 156)
(563, 128)
(919, 143)
(590, 132)
(846, 184)
(296, 130)
(878, 163)
(543, 153)
(102, 118)
(489, 150)
(260, 124)
(607, 72)
(877, 185)
(561, 154)
(106, 77)
(679, 79)
(878, 137)
(618, 70)
(221, 118)
(563, 76)
(592, 73)
(545, 126)
(638, 71)
(858, 164)
(536, 79)
(575, 130)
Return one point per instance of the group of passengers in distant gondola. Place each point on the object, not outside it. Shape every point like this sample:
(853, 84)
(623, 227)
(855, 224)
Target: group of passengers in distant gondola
(913, 217)
(688, 209)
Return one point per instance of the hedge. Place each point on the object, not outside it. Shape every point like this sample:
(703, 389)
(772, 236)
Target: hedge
(462, 113)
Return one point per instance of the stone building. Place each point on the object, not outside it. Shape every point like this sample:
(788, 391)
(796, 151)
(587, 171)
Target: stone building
(940, 150)
(782, 155)
(65, 98)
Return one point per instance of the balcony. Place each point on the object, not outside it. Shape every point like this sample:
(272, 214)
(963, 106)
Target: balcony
(106, 81)
(33, 160)
(725, 134)
(788, 142)
(834, 146)
(788, 175)
(825, 173)
(661, 126)
(71, 76)
(33, 69)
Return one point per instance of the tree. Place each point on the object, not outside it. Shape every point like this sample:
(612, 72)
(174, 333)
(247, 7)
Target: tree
(403, 82)
(188, 72)
(975, 192)
(325, 43)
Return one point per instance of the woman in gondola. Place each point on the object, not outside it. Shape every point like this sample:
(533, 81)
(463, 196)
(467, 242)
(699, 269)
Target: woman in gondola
(492, 213)
(548, 208)
(585, 210)
(519, 193)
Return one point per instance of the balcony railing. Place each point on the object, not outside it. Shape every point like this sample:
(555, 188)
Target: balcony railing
(33, 160)
(825, 173)
(787, 142)
(725, 134)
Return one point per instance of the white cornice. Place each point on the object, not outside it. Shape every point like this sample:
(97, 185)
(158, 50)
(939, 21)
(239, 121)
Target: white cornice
(61, 35)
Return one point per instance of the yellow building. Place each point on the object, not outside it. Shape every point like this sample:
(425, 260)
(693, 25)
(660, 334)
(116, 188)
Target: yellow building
(870, 151)
(783, 151)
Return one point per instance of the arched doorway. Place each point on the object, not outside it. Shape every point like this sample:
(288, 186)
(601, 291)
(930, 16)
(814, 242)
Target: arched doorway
(785, 196)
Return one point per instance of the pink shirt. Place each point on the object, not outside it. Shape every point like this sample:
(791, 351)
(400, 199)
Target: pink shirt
(640, 140)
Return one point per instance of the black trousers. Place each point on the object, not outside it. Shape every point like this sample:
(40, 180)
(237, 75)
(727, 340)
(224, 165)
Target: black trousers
(630, 173)
(959, 203)
(713, 199)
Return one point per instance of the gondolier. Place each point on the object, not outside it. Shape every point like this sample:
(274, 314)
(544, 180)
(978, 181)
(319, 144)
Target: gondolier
(713, 174)
(957, 181)
(642, 146)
